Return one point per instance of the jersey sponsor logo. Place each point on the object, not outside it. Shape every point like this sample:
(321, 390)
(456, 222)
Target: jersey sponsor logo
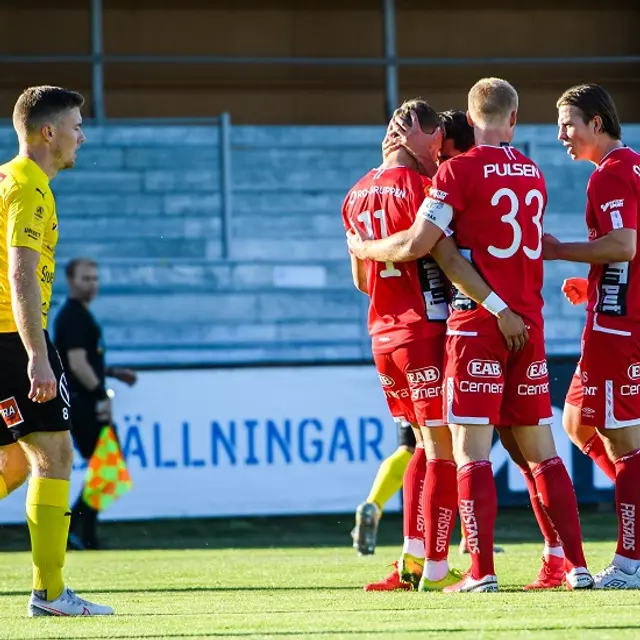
(46, 276)
(359, 194)
(32, 233)
(588, 412)
(593, 234)
(437, 193)
(589, 391)
(616, 220)
(484, 369)
(386, 381)
(537, 370)
(614, 286)
(434, 290)
(427, 375)
(612, 204)
(10, 412)
(636, 169)
(515, 169)
(634, 371)
(39, 213)
(459, 301)
(41, 192)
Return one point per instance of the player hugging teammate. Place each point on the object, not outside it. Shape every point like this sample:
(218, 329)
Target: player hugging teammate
(491, 201)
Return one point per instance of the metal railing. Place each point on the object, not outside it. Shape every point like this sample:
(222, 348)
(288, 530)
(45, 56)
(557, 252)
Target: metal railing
(389, 60)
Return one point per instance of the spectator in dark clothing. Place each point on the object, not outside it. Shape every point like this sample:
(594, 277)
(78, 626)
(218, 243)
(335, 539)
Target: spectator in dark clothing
(78, 338)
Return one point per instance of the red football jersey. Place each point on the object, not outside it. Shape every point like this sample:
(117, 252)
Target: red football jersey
(408, 301)
(613, 198)
(498, 196)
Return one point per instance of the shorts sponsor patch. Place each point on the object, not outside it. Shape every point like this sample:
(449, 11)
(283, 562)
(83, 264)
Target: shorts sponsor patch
(484, 369)
(10, 412)
(537, 369)
(386, 381)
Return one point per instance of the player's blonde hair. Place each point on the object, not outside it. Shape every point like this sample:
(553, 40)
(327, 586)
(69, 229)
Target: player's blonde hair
(492, 101)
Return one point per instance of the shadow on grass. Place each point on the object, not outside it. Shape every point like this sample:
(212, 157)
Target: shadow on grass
(513, 526)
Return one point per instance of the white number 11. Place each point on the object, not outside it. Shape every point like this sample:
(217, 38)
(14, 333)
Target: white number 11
(390, 270)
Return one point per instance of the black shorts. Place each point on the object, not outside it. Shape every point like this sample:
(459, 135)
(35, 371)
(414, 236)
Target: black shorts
(86, 426)
(21, 416)
(406, 437)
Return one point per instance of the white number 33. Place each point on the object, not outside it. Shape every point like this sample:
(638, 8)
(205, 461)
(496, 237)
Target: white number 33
(510, 219)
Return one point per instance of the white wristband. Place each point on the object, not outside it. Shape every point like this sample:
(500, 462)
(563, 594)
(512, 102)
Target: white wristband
(494, 304)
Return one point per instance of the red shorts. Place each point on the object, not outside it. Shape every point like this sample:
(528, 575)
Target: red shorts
(411, 378)
(606, 384)
(487, 384)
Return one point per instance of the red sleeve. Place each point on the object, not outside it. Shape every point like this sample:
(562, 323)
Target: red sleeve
(419, 188)
(447, 185)
(345, 216)
(614, 200)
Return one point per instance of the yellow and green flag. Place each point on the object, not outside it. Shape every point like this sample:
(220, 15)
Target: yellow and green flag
(107, 476)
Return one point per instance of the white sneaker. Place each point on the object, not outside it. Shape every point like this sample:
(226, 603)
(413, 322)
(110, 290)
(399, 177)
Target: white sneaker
(615, 578)
(486, 584)
(579, 578)
(67, 604)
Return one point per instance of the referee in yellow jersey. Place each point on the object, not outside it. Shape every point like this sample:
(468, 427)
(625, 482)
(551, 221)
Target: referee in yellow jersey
(34, 397)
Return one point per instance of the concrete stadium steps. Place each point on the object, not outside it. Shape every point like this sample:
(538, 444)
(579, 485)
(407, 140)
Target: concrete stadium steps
(146, 202)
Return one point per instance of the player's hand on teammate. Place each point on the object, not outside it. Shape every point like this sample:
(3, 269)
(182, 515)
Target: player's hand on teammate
(513, 329)
(575, 290)
(550, 246)
(44, 386)
(357, 243)
(424, 147)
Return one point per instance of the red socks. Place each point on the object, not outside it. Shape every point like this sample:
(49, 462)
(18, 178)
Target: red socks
(550, 535)
(412, 488)
(596, 451)
(627, 504)
(440, 501)
(559, 500)
(478, 506)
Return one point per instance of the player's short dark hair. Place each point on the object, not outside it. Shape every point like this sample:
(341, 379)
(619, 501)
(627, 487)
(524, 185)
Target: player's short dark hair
(36, 105)
(427, 116)
(72, 266)
(458, 129)
(593, 101)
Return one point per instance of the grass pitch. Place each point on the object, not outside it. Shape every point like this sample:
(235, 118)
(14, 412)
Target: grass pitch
(296, 577)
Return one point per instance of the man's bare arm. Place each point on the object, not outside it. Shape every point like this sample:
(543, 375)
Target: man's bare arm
(404, 246)
(359, 275)
(26, 299)
(460, 271)
(82, 370)
(26, 303)
(464, 277)
(618, 245)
